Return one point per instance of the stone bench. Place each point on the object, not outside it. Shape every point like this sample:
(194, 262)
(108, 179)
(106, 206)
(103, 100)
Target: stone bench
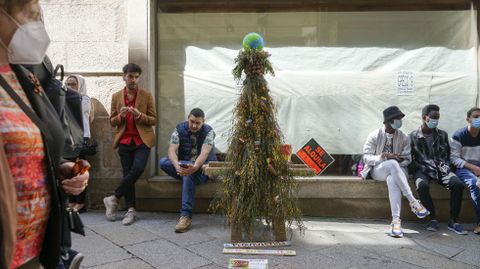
(323, 196)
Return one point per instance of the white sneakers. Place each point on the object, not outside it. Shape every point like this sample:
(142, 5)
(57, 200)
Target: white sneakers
(418, 209)
(396, 229)
(130, 216)
(111, 207)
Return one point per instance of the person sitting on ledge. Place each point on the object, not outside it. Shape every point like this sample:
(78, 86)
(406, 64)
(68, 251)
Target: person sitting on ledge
(191, 146)
(386, 155)
(431, 162)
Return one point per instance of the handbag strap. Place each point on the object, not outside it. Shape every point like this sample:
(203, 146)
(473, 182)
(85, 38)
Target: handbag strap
(28, 110)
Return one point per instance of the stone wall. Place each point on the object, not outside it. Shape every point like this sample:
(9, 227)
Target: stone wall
(90, 37)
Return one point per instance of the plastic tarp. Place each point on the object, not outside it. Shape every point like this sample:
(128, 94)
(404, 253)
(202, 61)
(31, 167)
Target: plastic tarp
(336, 94)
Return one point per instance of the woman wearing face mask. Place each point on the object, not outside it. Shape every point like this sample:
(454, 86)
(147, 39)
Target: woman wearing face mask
(386, 155)
(77, 83)
(29, 129)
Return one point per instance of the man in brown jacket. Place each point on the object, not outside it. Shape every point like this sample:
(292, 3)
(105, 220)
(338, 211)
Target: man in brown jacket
(8, 214)
(133, 114)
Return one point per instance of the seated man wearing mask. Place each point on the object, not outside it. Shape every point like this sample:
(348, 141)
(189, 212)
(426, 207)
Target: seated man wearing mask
(386, 155)
(431, 162)
(465, 145)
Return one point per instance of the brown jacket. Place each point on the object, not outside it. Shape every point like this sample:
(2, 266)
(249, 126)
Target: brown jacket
(144, 103)
(8, 212)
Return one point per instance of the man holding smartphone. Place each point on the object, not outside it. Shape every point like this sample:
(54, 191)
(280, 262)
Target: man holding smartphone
(386, 155)
(191, 146)
(133, 114)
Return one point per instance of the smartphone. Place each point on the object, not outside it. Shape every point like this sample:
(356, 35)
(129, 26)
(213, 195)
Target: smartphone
(184, 164)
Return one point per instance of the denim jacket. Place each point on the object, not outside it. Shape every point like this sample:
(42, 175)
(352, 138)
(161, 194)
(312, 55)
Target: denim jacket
(428, 160)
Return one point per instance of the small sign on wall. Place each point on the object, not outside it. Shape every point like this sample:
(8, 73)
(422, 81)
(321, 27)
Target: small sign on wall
(405, 83)
(315, 157)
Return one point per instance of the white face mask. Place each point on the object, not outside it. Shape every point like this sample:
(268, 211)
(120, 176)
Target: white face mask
(29, 42)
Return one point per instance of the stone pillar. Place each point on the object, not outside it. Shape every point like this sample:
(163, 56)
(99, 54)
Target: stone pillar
(141, 50)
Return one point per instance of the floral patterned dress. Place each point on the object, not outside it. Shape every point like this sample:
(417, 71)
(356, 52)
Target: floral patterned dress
(26, 157)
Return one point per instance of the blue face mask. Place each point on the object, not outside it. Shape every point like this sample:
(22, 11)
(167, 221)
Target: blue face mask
(432, 123)
(396, 124)
(476, 123)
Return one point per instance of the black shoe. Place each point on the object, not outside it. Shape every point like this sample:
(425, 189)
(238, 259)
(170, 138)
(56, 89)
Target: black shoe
(72, 259)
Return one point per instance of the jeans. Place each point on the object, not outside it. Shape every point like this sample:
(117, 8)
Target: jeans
(133, 159)
(451, 182)
(470, 180)
(188, 186)
(397, 184)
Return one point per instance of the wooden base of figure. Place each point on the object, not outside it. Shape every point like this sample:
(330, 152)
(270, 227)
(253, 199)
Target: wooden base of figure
(279, 231)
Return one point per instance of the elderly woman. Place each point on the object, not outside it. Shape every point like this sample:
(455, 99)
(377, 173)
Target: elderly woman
(29, 129)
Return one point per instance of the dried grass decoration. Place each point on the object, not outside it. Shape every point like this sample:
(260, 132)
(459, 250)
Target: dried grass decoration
(258, 184)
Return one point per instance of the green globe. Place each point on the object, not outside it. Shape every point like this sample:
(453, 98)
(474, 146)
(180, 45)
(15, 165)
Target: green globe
(253, 41)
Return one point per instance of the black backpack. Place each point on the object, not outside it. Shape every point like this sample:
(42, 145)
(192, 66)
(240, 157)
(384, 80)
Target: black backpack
(67, 103)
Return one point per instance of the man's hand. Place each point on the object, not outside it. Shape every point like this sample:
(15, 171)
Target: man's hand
(136, 112)
(185, 171)
(392, 156)
(72, 184)
(123, 111)
(476, 170)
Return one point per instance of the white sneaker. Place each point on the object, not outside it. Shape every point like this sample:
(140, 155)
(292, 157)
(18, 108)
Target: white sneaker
(396, 229)
(129, 217)
(111, 206)
(418, 209)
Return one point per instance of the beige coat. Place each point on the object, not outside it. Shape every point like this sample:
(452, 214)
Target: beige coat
(145, 104)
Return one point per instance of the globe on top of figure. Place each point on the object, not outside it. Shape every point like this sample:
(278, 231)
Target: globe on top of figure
(253, 41)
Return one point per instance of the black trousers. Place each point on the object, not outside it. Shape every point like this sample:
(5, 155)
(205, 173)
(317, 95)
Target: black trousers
(134, 159)
(451, 182)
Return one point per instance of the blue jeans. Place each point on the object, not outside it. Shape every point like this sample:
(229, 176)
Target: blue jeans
(470, 180)
(188, 186)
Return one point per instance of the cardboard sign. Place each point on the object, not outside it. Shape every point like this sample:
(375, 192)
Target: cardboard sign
(249, 251)
(315, 157)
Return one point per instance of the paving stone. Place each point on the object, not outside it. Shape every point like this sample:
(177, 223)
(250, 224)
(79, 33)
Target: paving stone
(328, 243)
(93, 217)
(425, 259)
(123, 235)
(362, 258)
(163, 254)
(166, 229)
(98, 250)
(431, 245)
(338, 226)
(211, 250)
(211, 267)
(125, 264)
(470, 256)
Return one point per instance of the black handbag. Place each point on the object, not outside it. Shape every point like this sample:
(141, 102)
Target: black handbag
(74, 222)
(89, 147)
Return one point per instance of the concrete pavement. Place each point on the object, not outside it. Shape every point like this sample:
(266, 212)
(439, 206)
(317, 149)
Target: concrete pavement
(326, 243)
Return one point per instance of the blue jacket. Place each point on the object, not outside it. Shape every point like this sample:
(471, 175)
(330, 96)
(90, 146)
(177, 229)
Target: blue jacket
(186, 143)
